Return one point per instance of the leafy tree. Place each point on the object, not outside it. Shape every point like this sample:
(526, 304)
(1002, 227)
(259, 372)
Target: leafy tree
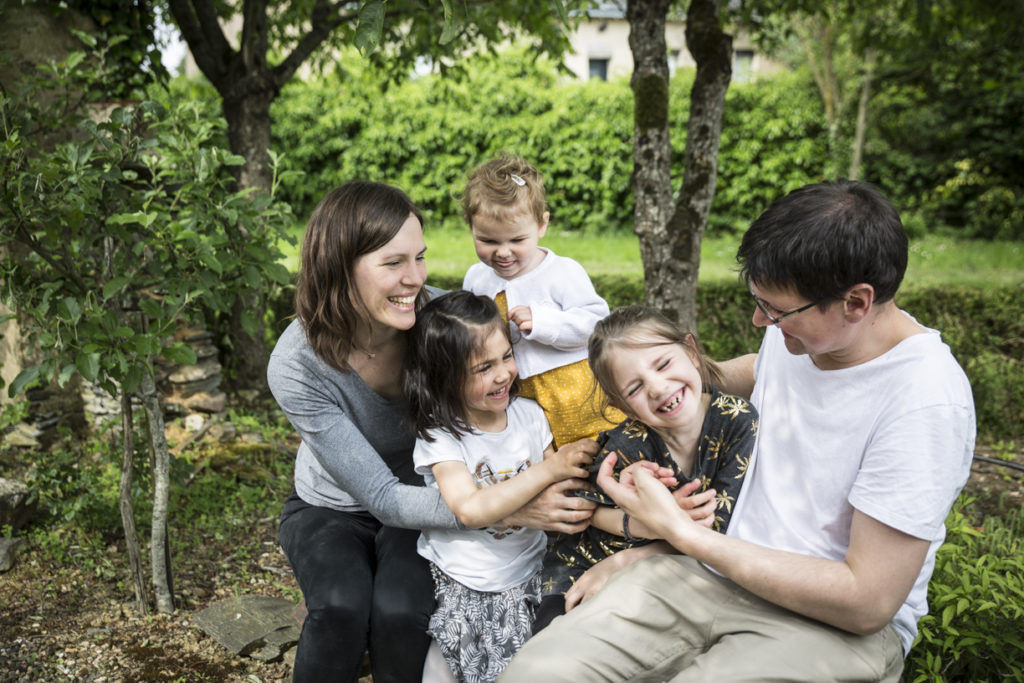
(670, 229)
(276, 40)
(948, 122)
(109, 240)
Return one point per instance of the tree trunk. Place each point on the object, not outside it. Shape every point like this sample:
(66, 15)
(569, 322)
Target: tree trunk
(670, 232)
(131, 536)
(163, 584)
(247, 110)
(860, 133)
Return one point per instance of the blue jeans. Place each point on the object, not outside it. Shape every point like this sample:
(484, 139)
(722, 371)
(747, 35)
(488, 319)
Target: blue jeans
(365, 586)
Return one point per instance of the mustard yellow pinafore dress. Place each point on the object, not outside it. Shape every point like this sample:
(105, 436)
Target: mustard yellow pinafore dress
(569, 395)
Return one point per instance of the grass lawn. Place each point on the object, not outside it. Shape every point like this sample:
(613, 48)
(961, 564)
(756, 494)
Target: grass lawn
(933, 260)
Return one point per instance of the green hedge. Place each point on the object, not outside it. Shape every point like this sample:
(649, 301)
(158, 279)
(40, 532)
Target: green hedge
(426, 135)
(984, 330)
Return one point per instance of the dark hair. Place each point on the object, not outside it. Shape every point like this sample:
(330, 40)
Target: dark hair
(824, 238)
(449, 331)
(493, 190)
(351, 220)
(637, 327)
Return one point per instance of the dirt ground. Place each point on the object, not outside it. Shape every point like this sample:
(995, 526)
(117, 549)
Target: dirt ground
(81, 628)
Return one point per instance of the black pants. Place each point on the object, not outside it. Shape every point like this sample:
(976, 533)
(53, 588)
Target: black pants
(365, 586)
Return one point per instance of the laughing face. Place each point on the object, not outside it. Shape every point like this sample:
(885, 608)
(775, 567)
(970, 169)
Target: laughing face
(658, 384)
(389, 278)
(509, 245)
(492, 369)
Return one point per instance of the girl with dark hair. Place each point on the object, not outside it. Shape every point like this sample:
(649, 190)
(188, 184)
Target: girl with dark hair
(488, 453)
(350, 527)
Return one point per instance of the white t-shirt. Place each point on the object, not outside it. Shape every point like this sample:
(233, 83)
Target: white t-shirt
(564, 305)
(892, 437)
(496, 558)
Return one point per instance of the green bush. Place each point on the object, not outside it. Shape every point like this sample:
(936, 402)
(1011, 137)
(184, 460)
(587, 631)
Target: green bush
(426, 135)
(974, 630)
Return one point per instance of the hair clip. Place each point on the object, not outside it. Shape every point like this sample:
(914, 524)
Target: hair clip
(516, 179)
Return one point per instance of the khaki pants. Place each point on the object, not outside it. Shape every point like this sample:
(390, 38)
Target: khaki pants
(667, 618)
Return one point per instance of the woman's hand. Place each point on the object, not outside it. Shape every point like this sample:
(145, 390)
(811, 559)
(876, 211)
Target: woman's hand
(594, 578)
(556, 508)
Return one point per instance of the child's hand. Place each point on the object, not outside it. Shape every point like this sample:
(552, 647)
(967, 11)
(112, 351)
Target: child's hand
(700, 506)
(568, 462)
(522, 316)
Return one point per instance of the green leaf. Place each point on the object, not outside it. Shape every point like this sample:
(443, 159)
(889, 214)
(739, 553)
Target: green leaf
(151, 308)
(249, 323)
(563, 16)
(89, 365)
(26, 378)
(132, 379)
(277, 272)
(65, 374)
(180, 352)
(69, 310)
(146, 344)
(451, 29)
(370, 26)
(115, 286)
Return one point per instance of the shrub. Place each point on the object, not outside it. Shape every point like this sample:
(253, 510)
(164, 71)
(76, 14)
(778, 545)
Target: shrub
(425, 135)
(974, 630)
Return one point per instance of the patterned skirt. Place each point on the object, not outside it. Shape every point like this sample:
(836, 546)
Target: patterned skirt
(478, 632)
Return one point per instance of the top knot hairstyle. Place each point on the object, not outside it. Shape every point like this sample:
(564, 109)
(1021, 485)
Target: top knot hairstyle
(350, 221)
(502, 188)
(822, 239)
(449, 331)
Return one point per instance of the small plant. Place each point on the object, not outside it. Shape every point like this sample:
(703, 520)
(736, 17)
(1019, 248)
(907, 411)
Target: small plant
(974, 630)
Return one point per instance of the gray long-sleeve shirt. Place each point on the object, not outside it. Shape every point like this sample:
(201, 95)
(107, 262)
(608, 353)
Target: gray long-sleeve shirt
(356, 450)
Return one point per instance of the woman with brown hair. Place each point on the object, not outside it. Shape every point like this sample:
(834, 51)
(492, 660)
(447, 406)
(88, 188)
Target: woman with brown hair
(350, 526)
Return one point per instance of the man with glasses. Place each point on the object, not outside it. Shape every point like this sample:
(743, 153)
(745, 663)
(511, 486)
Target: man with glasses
(866, 437)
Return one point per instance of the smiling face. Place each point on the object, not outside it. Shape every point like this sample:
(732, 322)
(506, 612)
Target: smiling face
(812, 331)
(509, 244)
(492, 370)
(388, 279)
(658, 384)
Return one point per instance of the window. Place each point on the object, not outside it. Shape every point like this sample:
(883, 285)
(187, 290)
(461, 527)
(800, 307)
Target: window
(742, 65)
(599, 69)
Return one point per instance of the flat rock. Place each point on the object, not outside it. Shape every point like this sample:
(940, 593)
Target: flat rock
(16, 508)
(257, 626)
(9, 552)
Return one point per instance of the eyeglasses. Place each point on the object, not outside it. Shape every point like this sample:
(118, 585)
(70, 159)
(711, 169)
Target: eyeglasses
(776, 319)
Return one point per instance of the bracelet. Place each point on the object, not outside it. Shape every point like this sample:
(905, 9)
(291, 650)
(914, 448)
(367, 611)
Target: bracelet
(625, 530)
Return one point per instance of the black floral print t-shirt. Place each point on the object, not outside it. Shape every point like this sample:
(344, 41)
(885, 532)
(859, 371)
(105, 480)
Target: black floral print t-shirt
(723, 456)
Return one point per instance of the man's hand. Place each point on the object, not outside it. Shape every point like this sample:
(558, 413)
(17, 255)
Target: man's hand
(639, 493)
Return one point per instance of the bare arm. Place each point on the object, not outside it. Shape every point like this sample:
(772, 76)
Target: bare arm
(556, 508)
(480, 507)
(594, 578)
(738, 375)
(859, 594)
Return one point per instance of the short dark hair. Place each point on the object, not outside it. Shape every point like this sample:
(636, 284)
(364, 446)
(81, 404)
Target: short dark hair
(822, 239)
(449, 330)
(351, 220)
